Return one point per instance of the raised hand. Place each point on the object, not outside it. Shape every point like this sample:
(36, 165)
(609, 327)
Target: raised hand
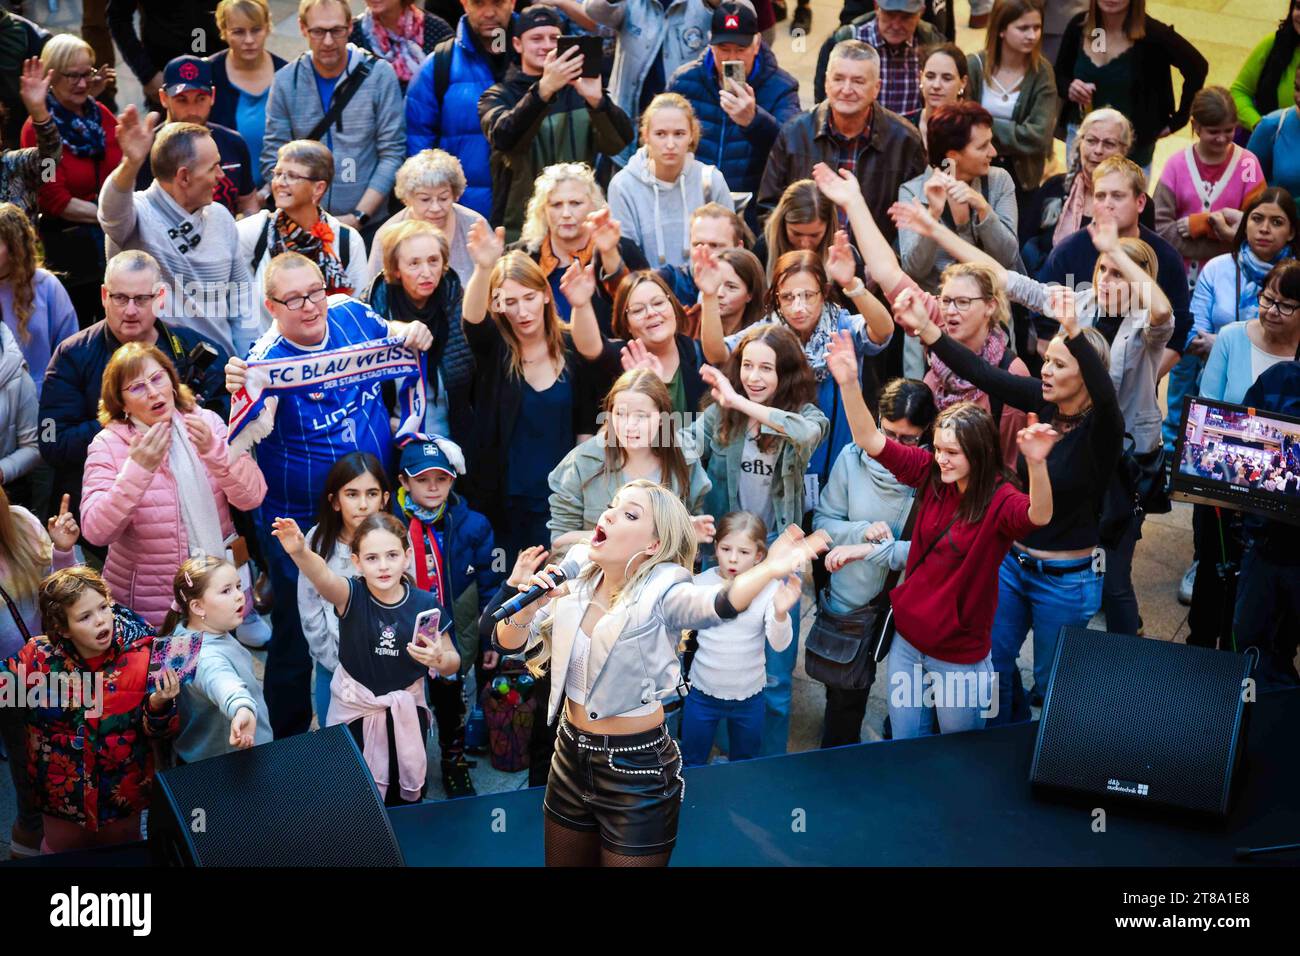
(34, 87)
(787, 595)
(719, 386)
(63, 527)
(589, 88)
(936, 192)
(526, 564)
(148, 450)
(706, 270)
(200, 434)
(705, 528)
(913, 217)
(135, 134)
(243, 729)
(1060, 306)
(840, 187)
(738, 102)
(842, 359)
(605, 230)
(840, 264)
(1036, 439)
(910, 311)
(484, 244)
(167, 687)
(559, 71)
(102, 77)
(1105, 236)
(578, 285)
(635, 355)
(290, 536)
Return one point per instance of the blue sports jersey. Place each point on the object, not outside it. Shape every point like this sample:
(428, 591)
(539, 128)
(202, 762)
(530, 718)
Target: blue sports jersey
(314, 430)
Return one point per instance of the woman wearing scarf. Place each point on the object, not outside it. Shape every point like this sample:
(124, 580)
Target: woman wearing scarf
(1264, 81)
(399, 32)
(417, 286)
(146, 474)
(303, 172)
(69, 224)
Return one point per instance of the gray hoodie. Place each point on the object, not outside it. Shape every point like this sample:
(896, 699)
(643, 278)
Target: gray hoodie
(19, 452)
(657, 215)
(223, 683)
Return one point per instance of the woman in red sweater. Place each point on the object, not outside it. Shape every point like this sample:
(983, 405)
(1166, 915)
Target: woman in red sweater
(968, 514)
(69, 225)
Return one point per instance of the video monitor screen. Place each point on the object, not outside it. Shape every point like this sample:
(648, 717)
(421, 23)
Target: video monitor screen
(1238, 457)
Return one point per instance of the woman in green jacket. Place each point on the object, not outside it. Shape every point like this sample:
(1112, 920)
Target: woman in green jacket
(1264, 82)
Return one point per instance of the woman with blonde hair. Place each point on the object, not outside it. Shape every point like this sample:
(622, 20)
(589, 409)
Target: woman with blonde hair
(534, 395)
(159, 480)
(416, 285)
(242, 73)
(639, 437)
(653, 196)
(609, 636)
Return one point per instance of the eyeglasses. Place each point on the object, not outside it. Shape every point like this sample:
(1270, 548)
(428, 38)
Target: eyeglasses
(1110, 145)
(1267, 302)
(121, 299)
(659, 306)
(803, 295)
(283, 175)
(84, 77)
(961, 303)
(334, 33)
(296, 302)
(911, 440)
(157, 382)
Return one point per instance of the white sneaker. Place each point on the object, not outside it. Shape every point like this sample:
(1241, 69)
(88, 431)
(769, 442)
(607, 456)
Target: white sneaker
(255, 632)
(1186, 585)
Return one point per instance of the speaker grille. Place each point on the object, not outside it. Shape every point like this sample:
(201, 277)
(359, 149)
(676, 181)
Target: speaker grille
(307, 800)
(1145, 719)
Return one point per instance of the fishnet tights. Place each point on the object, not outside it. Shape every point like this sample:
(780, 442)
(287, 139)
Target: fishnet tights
(566, 847)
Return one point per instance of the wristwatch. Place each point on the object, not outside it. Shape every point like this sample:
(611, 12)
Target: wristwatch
(361, 217)
(859, 288)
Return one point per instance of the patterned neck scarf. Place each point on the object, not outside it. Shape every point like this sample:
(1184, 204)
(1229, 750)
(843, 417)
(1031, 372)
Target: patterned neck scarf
(820, 341)
(402, 48)
(317, 244)
(953, 389)
(1072, 209)
(83, 133)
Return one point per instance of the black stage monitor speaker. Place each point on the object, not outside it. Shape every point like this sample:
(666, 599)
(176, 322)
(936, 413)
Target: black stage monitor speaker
(1145, 720)
(307, 800)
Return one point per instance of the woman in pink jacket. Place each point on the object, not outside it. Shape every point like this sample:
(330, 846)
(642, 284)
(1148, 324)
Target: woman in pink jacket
(159, 481)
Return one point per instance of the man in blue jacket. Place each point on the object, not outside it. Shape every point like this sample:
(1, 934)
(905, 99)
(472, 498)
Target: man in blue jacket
(442, 100)
(738, 122)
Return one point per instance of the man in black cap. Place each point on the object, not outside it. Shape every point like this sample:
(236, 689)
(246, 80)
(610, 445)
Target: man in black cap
(186, 95)
(544, 112)
(739, 120)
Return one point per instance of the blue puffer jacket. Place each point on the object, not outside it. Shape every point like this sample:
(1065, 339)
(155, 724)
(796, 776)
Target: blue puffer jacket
(451, 122)
(740, 152)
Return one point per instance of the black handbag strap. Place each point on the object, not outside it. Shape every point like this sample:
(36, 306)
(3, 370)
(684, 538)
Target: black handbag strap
(18, 618)
(933, 544)
(891, 579)
(343, 94)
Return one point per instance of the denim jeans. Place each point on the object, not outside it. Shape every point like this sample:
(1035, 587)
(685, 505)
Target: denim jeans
(911, 673)
(1183, 379)
(1028, 598)
(288, 662)
(1118, 599)
(1268, 609)
(701, 715)
(322, 693)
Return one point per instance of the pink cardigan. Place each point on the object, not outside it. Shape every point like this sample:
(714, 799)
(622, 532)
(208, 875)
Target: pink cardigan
(1178, 196)
(138, 515)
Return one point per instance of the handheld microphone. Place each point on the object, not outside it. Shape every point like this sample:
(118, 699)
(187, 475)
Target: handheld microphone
(524, 598)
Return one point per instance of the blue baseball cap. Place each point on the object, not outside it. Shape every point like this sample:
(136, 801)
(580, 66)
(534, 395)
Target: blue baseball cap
(187, 73)
(422, 454)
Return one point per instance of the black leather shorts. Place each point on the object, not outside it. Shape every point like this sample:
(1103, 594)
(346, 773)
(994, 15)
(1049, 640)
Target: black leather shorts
(628, 787)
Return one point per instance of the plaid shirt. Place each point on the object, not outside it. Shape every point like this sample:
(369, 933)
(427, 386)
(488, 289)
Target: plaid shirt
(848, 151)
(900, 72)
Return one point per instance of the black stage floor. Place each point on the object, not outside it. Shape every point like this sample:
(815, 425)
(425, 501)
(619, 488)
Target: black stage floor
(957, 800)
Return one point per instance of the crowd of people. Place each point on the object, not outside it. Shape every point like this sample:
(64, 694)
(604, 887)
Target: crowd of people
(328, 359)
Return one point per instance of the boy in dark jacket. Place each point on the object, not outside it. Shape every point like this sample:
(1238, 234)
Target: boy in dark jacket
(544, 112)
(451, 549)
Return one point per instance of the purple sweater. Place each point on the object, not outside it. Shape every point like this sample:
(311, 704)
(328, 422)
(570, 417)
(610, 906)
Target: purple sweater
(52, 321)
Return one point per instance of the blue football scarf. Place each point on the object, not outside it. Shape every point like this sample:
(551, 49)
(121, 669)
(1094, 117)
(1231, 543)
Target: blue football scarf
(322, 372)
